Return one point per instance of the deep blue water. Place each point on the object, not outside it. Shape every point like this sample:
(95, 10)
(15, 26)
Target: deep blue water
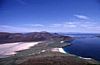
(88, 47)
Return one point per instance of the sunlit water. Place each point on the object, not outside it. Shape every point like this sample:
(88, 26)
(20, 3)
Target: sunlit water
(11, 48)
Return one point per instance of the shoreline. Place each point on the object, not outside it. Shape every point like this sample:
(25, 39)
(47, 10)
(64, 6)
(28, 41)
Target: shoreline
(61, 50)
(43, 49)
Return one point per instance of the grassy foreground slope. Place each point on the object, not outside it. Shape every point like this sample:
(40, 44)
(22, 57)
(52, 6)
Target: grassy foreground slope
(55, 58)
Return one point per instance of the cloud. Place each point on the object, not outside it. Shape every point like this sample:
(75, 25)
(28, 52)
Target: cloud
(7, 28)
(62, 25)
(73, 26)
(55, 25)
(33, 25)
(81, 17)
(70, 24)
(38, 25)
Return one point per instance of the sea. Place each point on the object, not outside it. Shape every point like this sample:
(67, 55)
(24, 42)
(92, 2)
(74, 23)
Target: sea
(84, 45)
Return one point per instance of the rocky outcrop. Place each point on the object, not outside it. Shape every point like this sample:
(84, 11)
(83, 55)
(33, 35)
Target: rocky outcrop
(29, 37)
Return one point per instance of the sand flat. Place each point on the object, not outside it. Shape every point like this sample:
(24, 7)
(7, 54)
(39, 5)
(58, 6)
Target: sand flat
(11, 48)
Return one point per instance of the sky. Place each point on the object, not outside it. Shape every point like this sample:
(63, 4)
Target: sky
(50, 15)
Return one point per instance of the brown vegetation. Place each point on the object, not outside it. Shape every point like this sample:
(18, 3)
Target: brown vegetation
(29, 37)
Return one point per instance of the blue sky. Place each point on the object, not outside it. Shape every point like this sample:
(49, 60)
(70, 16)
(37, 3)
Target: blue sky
(50, 15)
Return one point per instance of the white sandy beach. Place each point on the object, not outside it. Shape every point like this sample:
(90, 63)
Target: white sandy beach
(58, 50)
(11, 48)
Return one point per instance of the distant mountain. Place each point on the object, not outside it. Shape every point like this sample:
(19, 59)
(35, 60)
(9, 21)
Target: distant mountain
(6, 37)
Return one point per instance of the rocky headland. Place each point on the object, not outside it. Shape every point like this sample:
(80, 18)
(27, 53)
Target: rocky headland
(48, 52)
